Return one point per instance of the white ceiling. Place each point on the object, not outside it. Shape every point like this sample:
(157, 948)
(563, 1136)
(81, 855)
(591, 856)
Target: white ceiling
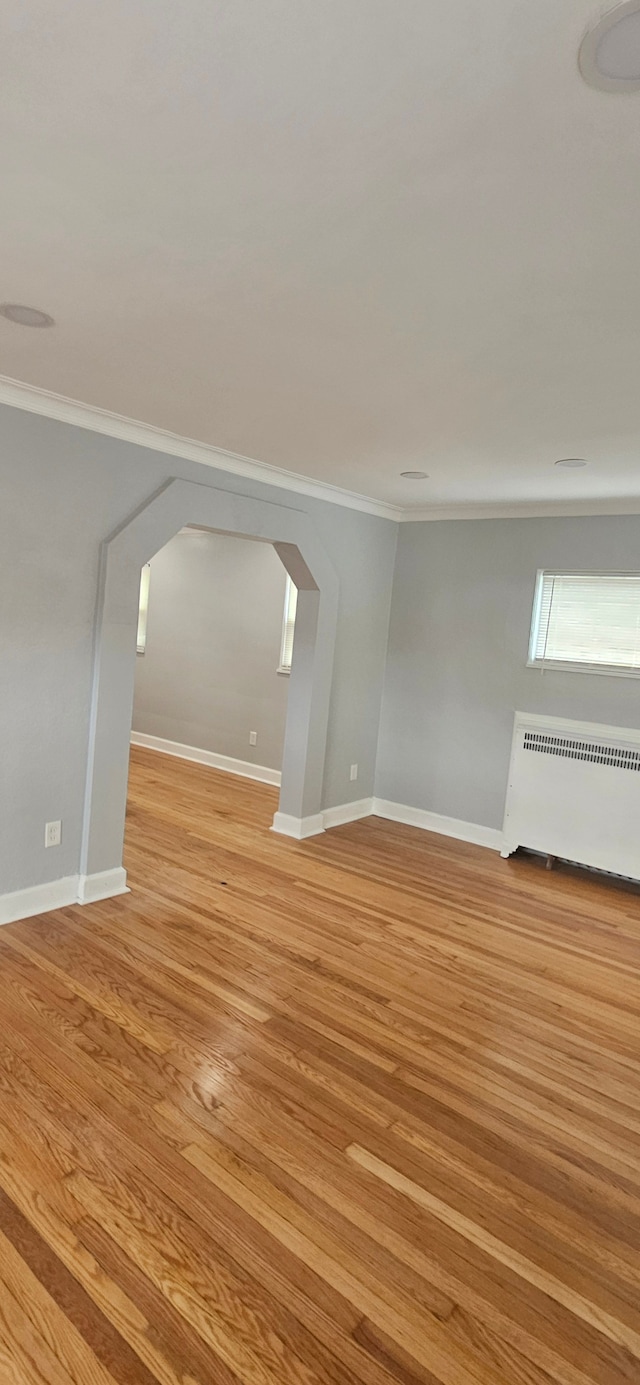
(344, 237)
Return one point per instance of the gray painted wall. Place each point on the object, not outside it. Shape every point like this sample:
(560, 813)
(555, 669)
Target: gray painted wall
(64, 490)
(458, 644)
(456, 668)
(208, 676)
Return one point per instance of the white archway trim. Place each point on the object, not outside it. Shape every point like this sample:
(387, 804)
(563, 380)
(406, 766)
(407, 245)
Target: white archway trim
(293, 534)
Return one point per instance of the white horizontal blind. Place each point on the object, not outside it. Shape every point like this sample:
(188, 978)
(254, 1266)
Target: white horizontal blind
(588, 619)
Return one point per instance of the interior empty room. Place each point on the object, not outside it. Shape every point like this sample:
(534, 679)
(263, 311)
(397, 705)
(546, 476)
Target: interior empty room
(319, 699)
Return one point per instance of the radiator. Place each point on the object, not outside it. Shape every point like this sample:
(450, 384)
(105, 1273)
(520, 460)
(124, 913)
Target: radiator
(574, 792)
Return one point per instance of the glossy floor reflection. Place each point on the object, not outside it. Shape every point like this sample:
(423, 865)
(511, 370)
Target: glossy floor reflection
(359, 1109)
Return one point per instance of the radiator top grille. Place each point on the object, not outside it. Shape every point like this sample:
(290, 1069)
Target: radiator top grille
(582, 750)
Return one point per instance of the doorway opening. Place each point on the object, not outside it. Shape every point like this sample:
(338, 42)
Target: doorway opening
(214, 648)
(178, 505)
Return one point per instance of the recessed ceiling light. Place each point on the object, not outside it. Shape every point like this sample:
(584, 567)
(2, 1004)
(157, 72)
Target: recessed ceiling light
(24, 316)
(571, 462)
(609, 55)
(415, 475)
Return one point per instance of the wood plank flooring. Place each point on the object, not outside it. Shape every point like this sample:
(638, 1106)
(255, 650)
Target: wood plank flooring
(355, 1111)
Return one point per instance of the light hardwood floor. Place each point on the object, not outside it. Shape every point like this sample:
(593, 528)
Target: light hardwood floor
(359, 1109)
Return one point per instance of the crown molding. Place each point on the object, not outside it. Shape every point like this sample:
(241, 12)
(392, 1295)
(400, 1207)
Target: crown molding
(18, 395)
(32, 400)
(569, 509)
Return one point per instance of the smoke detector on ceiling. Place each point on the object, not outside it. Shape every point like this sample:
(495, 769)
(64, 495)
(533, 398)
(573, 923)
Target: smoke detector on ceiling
(609, 57)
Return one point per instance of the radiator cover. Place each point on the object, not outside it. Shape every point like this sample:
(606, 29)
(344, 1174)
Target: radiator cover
(574, 792)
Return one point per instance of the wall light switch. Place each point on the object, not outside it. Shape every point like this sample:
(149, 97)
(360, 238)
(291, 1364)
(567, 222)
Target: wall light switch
(353, 772)
(53, 834)
(253, 738)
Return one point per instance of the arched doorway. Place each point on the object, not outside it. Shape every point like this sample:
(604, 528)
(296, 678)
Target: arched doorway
(293, 535)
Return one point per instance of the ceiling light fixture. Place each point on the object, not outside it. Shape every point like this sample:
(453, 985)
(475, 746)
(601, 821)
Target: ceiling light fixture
(609, 57)
(24, 316)
(571, 462)
(415, 475)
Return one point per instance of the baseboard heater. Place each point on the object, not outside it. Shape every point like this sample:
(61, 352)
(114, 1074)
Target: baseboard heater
(574, 793)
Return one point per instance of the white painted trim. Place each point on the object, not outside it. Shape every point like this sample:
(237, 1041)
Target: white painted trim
(299, 828)
(19, 395)
(435, 822)
(474, 832)
(105, 884)
(347, 812)
(38, 899)
(59, 894)
(534, 509)
(573, 666)
(244, 768)
(321, 822)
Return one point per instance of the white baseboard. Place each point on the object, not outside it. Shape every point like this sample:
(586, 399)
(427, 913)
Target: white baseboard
(244, 768)
(435, 822)
(59, 894)
(88, 889)
(299, 828)
(38, 899)
(105, 884)
(474, 832)
(347, 812)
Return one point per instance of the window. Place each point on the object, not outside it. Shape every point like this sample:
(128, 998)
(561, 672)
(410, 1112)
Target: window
(288, 627)
(143, 608)
(588, 621)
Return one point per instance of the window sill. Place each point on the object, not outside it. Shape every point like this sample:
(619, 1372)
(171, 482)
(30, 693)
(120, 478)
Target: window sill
(567, 666)
(283, 670)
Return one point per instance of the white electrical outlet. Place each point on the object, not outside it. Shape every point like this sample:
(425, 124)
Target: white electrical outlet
(353, 772)
(53, 834)
(253, 738)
